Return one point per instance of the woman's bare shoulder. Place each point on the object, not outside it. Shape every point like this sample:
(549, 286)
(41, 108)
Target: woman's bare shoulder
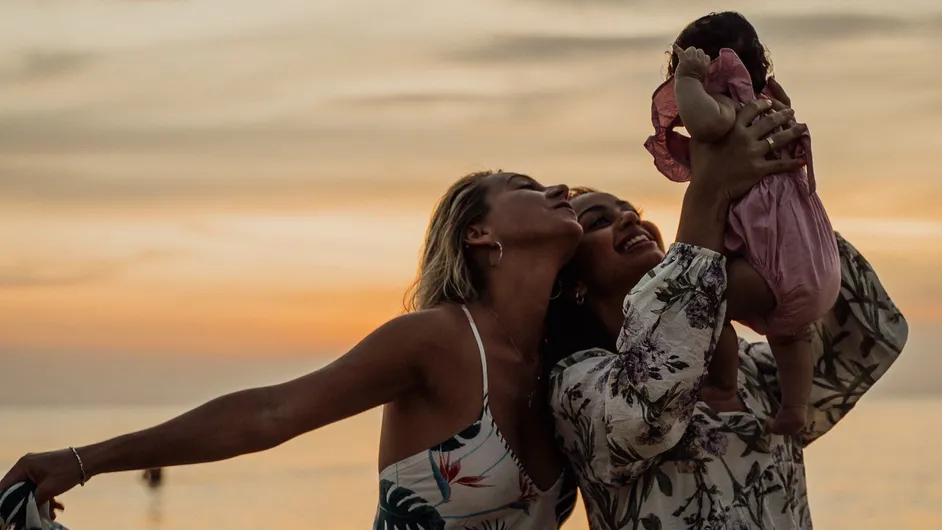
(434, 328)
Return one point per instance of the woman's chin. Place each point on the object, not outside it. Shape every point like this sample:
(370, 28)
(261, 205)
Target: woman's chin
(633, 266)
(646, 256)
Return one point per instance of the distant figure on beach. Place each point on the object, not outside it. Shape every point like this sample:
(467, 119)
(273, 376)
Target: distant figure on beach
(153, 477)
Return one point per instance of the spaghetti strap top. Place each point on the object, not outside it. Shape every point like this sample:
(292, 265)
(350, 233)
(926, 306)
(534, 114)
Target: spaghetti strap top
(471, 480)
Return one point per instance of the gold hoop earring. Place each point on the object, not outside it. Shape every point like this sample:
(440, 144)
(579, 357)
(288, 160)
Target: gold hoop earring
(500, 256)
(559, 290)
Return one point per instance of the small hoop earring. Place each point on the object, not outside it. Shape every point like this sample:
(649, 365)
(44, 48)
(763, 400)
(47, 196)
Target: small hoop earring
(580, 298)
(500, 256)
(559, 290)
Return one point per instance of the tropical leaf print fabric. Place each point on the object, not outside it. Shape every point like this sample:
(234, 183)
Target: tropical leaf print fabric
(19, 511)
(473, 480)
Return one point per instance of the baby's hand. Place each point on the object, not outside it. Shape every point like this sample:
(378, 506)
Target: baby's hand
(692, 62)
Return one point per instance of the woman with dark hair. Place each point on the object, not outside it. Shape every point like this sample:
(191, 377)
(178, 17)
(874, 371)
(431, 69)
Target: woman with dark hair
(634, 330)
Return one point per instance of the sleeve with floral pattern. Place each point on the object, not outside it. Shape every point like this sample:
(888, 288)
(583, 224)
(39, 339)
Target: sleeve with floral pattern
(854, 345)
(615, 412)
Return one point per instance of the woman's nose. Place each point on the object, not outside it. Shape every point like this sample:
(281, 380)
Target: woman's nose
(558, 191)
(628, 218)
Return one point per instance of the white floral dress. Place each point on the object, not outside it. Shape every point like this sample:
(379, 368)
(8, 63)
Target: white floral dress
(649, 456)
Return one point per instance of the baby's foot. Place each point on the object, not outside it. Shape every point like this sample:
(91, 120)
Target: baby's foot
(721, 400)
(713, 392)
(790, 420)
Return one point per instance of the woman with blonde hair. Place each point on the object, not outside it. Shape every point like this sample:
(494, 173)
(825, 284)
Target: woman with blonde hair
(467, 440)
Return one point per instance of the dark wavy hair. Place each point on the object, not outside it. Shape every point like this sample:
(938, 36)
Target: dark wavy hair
(570, 327)
(727, 30)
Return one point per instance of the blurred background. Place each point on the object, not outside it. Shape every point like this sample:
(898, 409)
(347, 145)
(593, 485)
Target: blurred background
(201, 195)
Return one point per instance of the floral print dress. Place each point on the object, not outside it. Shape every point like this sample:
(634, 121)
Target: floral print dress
(649, 456)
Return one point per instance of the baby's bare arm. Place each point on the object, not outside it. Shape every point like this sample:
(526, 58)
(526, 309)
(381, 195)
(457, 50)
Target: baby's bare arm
(706, 117)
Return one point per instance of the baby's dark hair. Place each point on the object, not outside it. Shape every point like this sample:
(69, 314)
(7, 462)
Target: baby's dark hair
(727, 30)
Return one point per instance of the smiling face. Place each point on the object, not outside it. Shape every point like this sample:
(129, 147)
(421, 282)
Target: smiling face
(617, 247)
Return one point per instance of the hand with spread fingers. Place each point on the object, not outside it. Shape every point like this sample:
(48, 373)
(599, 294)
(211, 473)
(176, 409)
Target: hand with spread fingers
(737, 162)
(692, 62)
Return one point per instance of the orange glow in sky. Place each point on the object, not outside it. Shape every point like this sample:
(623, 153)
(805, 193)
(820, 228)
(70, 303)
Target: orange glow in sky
(173, 181)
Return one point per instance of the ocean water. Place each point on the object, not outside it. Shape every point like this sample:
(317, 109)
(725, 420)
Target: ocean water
(879, 469)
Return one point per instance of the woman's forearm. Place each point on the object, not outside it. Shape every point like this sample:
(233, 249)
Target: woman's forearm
(703, 217)
(232, 425)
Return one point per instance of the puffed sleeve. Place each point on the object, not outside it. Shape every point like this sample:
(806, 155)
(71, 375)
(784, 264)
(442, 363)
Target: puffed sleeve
(616, 411)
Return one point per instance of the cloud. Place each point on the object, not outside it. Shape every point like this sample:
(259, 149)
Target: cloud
(33, 274)
(65, 184)
(87, 130)
(173, 142)
(521, 48)
(786, 28)
(69, 185)
(41, 64)
(422, 98)
(30, 275)
(827, 26)
(257, 188)
(509, 104)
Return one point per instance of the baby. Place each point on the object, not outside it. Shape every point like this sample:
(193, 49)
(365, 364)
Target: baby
(783, 267)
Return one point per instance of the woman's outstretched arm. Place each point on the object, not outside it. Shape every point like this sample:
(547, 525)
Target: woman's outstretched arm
(387, 364)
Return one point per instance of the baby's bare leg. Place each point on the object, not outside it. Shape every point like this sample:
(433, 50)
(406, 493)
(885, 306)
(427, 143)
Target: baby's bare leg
(796, 374)
(748, 296)
(724, 366)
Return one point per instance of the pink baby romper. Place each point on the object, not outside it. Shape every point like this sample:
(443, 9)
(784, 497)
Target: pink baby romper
(780, 225)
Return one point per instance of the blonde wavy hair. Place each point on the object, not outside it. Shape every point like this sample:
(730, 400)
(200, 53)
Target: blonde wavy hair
(445, 272)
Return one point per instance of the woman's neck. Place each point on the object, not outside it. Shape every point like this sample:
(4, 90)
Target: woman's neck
(610, 311)
(519, 294)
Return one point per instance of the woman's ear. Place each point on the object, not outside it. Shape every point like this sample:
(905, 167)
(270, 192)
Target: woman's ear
(477, 235)
(575, 291)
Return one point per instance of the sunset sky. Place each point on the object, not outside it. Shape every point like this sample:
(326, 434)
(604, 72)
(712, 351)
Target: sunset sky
(236, 178)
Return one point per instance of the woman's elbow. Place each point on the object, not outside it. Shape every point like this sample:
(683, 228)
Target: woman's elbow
(628, 459)
(660, 443)
(901, 330)
(276, 421)
(654, 439)
(667, 427)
